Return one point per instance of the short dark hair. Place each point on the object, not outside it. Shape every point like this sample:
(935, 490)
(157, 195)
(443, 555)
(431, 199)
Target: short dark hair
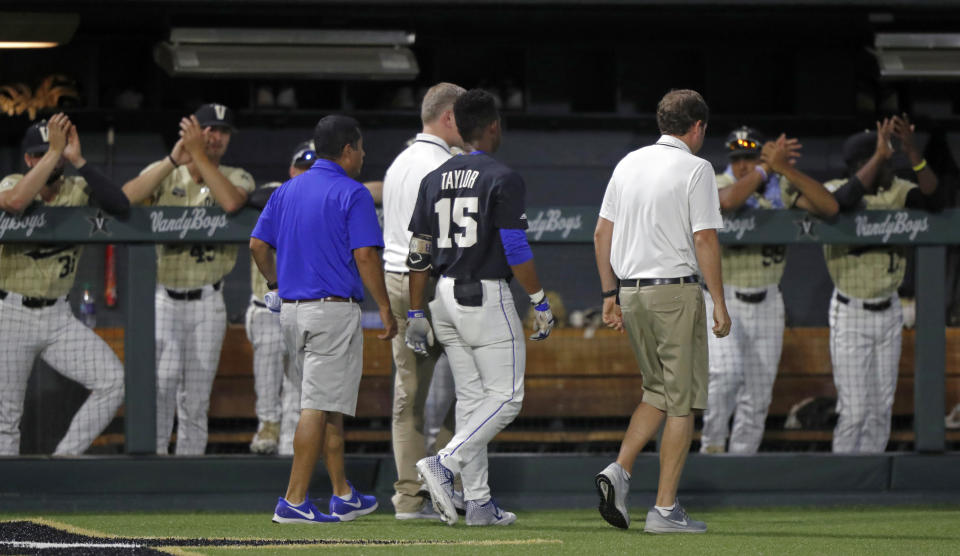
(333, 133)
(679, 109)
(474, 110)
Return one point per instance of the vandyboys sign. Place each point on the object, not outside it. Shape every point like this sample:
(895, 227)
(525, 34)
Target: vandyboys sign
(153, 224)
(547, 224)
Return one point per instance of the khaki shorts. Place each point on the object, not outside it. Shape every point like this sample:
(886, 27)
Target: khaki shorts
(325, 342)
(668, 332)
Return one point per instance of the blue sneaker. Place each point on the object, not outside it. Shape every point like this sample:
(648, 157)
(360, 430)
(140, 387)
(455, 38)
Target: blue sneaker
(307, 512)
(439, 481)
(353, 507)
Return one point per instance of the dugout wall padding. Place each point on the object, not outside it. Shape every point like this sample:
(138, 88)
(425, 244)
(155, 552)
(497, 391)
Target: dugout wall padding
(252, 483)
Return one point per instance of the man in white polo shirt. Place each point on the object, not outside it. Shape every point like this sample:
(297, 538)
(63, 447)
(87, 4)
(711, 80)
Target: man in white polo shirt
(401, 185)
(658, 220)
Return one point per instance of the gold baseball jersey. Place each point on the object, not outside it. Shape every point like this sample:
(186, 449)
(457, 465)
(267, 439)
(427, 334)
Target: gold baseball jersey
(258, 284)
(43, 270)
(191, 265)
(869, 271)
(754, 266)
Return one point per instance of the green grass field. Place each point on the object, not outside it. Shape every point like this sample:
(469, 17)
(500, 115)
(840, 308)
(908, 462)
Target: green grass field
(865, 530)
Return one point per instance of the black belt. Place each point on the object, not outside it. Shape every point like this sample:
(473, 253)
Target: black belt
(396, 272)
(751, 297)
(259, 304)
(191, 295)
(878, 306)
(334, 298)
(32, 302)
(641, 282)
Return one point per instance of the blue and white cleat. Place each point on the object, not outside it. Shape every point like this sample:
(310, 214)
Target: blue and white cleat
(488, 514)
(307, 512)
(348, 509)
(439, 481)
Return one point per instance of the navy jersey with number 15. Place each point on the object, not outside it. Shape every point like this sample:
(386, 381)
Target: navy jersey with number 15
(462, 205)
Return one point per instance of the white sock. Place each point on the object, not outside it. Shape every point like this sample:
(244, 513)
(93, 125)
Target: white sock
(481, 501)
(664, 510)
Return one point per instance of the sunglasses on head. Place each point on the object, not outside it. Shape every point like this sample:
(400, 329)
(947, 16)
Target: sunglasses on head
(306, 158)
(742, 144)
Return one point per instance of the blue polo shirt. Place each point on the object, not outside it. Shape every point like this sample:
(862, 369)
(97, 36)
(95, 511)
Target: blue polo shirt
(315, 221)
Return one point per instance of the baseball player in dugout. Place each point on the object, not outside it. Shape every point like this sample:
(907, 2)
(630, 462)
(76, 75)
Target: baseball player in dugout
(190, 313)
(657, 230)
(866, 320)
(468, 229)
(278, 393)
(743, 365)
(323, 228)
(401, 186)
(35, 317)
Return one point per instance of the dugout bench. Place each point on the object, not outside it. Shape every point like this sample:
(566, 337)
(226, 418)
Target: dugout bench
(569, 377)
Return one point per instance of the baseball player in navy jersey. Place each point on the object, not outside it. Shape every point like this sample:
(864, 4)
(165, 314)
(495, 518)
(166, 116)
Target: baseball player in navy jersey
(743, 365)
(190, 313)
(866, 321)
(278, 394)
(469, 229)
(35, 317)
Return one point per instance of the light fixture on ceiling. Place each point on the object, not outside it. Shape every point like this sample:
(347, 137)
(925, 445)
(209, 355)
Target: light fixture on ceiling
(297, 53)
(915, 55)
(36, 30)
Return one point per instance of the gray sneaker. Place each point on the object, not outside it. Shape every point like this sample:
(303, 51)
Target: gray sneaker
(439, 481)
(488, 514)
(676, 522)
(612, 486)
(425, 512)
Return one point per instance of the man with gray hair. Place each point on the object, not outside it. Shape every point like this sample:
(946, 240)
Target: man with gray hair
(401, 185)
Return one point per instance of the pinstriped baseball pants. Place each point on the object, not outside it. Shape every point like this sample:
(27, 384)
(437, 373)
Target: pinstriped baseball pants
(865, 352)
(743, 368)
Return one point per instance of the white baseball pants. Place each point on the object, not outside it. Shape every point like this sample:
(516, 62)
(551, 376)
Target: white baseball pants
(743, 367)
(865, 351)
(275, 400)
(487, 355)
(75, 351)
(189, 335)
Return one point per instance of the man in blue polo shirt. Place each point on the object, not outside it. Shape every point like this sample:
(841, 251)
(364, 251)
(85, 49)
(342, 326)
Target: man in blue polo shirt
(324, 229)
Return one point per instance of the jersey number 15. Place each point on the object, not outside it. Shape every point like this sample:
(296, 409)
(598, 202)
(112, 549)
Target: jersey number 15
(464, 210)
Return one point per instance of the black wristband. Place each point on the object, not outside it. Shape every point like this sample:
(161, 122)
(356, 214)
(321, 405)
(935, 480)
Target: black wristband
(172, 161)
(272, 285)
(609, 293)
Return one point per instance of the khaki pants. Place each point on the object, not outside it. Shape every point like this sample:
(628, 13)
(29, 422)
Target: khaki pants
(668, 333)
(410, 388)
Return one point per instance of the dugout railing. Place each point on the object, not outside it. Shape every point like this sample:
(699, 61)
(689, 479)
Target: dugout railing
(928, 233)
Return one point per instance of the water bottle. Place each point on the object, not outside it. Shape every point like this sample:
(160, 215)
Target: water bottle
(88, 307)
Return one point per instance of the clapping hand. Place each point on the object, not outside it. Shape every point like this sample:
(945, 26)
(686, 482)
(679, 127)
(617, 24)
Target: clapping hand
(192, 136)
(57, 128)
(885, 130)
(72, 151)
(903, 130)
(782, 154)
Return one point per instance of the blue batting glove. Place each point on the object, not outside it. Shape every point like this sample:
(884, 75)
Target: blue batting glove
(419, 335)
(272, 300)
(543, 320)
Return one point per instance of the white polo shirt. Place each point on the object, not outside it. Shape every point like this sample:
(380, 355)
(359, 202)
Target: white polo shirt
(657, 198)
(401, 185)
